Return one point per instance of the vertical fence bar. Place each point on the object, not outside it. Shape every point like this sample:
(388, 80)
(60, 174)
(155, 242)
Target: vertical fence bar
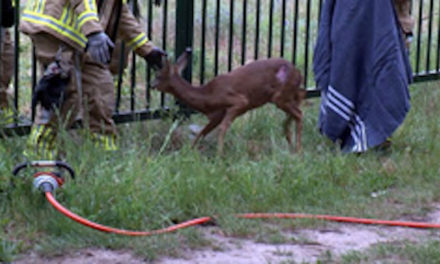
(164, 40)
(428, 51)
(243, 35)
(184, 38)
(438, 40)
(202, 44)
(257, 30)
(16, 59)
(1, 39)
(295, 32)
(148, 69)
(120, 77)
(34, 79)
(132, 73)
(133, 83)
(419, 36)
(231, 35)
(269, 46)
(306, 61)
(184, 31)
(217, 35)
(283, 27)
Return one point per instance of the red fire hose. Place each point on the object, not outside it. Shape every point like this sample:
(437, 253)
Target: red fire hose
(107, 229)
(202, 220)
(49, 181)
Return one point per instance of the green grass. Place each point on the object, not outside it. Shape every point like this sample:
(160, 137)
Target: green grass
(398, 252)
(140, 188)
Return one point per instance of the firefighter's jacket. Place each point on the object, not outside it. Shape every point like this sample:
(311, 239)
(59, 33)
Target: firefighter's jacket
(72, 20)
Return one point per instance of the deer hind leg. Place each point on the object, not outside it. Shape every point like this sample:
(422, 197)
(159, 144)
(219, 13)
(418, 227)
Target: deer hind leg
(287, 131)
(214, 120)
(298, 116)
(293, 112)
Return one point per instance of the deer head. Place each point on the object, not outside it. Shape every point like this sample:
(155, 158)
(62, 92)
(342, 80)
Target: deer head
(170, 74)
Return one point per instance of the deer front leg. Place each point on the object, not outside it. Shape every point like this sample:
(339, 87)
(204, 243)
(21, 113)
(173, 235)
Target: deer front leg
(214, 119)
(230, 115)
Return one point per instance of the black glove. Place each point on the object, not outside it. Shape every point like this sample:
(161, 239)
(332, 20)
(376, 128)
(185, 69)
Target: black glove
(157, 2)
(99, 47)
(155, 57)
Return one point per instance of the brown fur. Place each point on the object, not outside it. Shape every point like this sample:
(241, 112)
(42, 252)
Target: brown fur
(230, 95)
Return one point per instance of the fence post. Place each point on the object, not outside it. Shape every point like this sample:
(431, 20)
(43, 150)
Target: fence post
(184, 31)
(184, 39)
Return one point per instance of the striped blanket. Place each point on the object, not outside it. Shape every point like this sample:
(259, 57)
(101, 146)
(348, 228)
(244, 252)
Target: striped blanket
(361, 66)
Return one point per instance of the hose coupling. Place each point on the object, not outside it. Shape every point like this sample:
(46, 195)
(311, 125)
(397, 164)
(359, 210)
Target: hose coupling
(47, 181)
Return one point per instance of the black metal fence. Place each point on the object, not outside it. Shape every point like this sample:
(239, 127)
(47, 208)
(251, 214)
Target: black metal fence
(224, 35)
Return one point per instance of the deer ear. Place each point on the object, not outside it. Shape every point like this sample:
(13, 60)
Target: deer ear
(166, 63)
(182, 61)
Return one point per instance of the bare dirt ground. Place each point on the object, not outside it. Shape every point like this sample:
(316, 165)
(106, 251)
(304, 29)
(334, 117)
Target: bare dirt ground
(308, 245)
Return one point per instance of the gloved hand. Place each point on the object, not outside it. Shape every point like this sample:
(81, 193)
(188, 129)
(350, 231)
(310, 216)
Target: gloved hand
(99, 47)
(154, 58)
(157, 2)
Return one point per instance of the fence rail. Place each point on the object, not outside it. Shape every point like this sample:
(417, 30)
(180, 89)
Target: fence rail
(224, 35)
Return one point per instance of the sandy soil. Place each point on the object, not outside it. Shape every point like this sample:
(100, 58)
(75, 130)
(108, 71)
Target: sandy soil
(309, 245)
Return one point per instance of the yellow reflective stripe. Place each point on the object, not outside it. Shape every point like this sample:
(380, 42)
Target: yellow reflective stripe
(65, 14)
(87, 5)
(90, 5)
(73, 23)
(71, 16)
(86, 16)
(106, 142)
(36, 5)
(40, 6)
(43, 5)
(56, 25)
(43, 140)
(94, 5)
(138, 41)
(35, 135)
(110, 144)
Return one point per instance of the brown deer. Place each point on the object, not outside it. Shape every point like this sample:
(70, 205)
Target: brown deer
(232, 94)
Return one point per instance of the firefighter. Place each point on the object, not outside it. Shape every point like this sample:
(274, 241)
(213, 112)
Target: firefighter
(73, 42)
(6, 60)
(403, 10)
